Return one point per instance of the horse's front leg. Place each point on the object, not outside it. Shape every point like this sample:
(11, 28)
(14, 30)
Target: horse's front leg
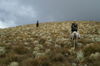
(76, 44)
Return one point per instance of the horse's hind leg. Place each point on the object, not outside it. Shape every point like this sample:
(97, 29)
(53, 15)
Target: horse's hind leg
(74, 44)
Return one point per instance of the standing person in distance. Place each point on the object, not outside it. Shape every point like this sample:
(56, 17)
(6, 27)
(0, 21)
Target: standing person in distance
(37, 24)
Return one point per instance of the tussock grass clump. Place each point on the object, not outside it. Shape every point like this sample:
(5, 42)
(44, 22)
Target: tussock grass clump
(64, 51)
(85, 41)
(8, 47)
(58, 58)
(45, 61)
(96, 62)
(2, 44)
(93, 62)
(92, 48)
(42, 41)
(20, 50)
(56, 50)
(31, 62)
(10, 58)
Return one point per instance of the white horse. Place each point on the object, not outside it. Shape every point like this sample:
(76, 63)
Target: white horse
(75, 38)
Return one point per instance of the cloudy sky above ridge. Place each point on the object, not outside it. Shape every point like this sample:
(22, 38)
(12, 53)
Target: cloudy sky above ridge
(21, 12)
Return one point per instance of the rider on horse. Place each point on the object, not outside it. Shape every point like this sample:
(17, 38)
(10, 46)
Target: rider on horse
(74, 27)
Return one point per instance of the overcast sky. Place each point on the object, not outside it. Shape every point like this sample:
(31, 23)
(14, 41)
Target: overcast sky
(22, 12)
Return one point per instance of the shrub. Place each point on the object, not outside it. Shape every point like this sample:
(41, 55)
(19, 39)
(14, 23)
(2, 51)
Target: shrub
(43, 54)
(38, 55)
(34, 52)
(85, 64)
(36, 42)
(48, 43)
(57, 46)
(80, 56)
(94, 56)
(47, 50)
(71, 50)
(2, 50)
(40, 46)
(26, 43)
(36, 48)
(65, 42)
(14, 64)
(73, 64)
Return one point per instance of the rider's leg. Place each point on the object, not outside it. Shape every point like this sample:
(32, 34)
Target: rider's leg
(71, 35)
(79, 34)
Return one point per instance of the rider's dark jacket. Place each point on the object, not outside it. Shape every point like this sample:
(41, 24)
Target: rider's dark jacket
(74, 27)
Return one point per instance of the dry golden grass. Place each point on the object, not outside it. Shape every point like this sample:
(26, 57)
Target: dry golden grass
(92, 48)
(53, 41)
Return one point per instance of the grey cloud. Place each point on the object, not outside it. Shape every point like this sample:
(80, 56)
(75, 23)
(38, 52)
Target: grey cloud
(29, 11)
(62, 10)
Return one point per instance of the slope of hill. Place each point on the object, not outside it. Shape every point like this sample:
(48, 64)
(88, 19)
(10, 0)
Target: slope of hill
(50, 45)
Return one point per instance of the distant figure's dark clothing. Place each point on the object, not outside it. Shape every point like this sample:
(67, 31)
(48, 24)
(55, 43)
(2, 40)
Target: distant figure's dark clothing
(37, 24)
(74, 27)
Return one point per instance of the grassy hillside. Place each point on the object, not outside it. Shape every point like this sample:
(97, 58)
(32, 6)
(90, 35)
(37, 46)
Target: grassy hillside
(50, 45)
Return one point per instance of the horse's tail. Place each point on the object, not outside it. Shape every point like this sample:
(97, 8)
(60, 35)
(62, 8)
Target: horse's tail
(74, 35)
